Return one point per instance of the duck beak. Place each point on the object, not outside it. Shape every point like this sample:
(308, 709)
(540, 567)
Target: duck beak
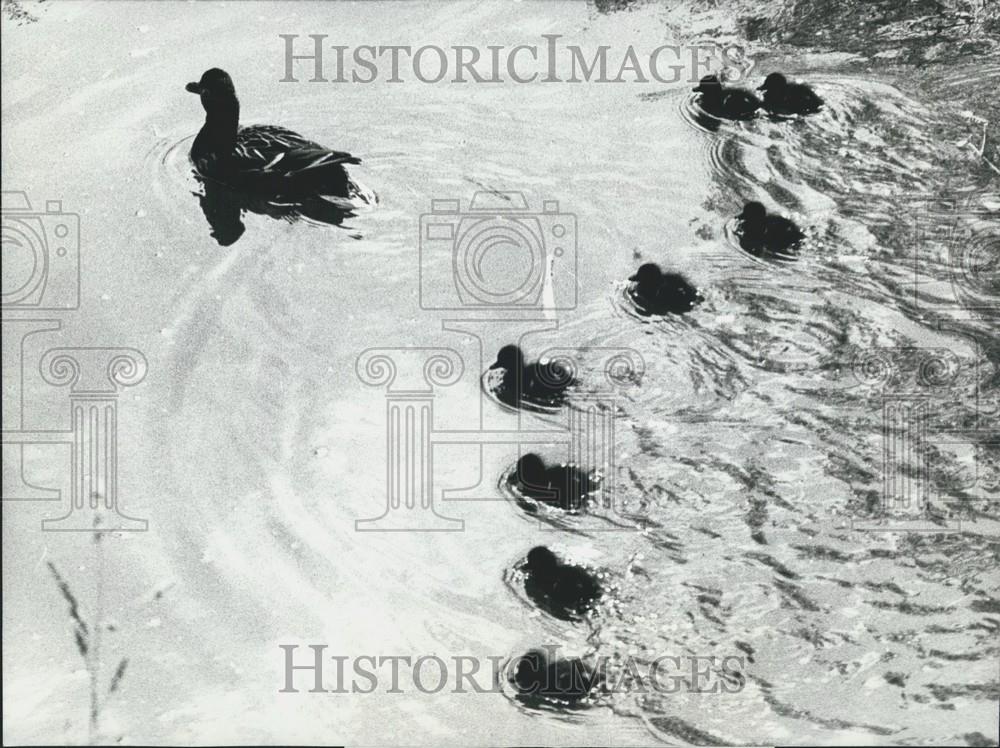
(762, 87)
(193, 87)
(634, 277)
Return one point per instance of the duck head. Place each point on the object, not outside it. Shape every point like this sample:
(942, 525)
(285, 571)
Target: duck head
(541, 559)
(754, 213)
(773, 82)
(527, 671)
(215, 88)
(753, 222)
(222, 108)
(510, 358)
(531, 470)
(647, 275)
(709, 84)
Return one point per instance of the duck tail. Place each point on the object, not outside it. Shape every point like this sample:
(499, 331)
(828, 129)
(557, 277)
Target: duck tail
(362, 194)
(333, 182)
(353, 195)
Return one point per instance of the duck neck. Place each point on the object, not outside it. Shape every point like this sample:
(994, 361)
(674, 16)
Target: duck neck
(222, 121)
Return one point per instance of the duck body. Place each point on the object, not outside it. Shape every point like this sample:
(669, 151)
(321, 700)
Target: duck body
(264, 158)
(656, 292)
(564, 487)
(563, 590)
(761, 232)
(782, 97)
(272, 159)
(726, 102)
(537, 384)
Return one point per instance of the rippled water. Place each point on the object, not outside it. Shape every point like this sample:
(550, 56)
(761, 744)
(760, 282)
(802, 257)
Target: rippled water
(744, 453)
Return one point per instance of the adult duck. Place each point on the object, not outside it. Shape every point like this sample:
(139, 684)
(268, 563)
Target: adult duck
(265, 158)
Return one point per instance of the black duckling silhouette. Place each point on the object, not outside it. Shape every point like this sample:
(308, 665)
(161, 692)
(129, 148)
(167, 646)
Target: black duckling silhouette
(767, 234)
(562, 486)
(265, 159)
(564, 591)
(782, 97)
(726, 102)
(539, 678)
(224, 209)
(537, 384)
(656, 292)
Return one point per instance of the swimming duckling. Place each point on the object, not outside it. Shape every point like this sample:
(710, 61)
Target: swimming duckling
(540, 384)
(562, 590)
(761, 232)
(264, 158)
(721, 101)
(539, 678)
(563, 486)
(656, 292)
(782, 97)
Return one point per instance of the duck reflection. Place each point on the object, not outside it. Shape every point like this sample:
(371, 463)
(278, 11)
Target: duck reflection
(225, 207)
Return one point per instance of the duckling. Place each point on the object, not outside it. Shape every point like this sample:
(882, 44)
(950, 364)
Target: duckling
(533, 383)
(562, 486)
(782, 97)
(539, 678)
(729, 103)
(264, 158)
(564, 591)
(656, 292)
(761, 232)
